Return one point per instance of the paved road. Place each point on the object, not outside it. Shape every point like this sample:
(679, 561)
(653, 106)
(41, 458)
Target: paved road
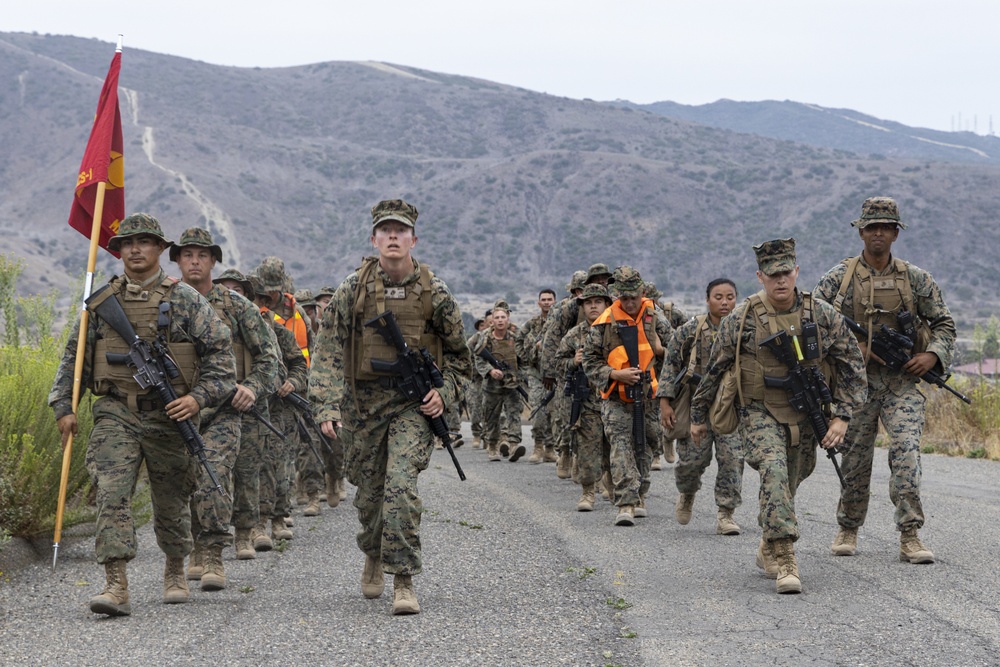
(514, 576)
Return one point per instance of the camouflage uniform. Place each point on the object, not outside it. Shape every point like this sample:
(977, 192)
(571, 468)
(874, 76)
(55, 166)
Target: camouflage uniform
(591, 448)
(391, 438)
(629, 472)
(474, 397)
(501, 401)
(528, 344)
(768, 446)
(893, 396)
(692, 459)
(122, 438)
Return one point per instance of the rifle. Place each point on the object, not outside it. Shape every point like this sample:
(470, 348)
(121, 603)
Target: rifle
(303, 405)
(693, 379)
(502, 366)
(254, 412)
(629, 335)
(545, 401)
(577, 386)
(807, 390)
(894, 347)
(415, 373)
(154, 368)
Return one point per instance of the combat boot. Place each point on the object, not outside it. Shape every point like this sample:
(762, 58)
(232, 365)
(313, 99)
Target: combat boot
(537, 453)
(725, 524)
(244, 545)
(656, 465)
(260, 539)
(457, 442)
(669, 453)
(196, 563)
(477, 442)
(765, 559)
(685, 503)
(562, 466)
(113, 601)
(788, 570)
(289, 521)
(312, 507)
(279, 531)
(372, 578)
(626, 516)
(608, 491)
(214, 576)
(404, 596)
(504, 448)
(175, 586)
(587, 498)
(912, 550)
(550, 455)
(492, 454)
(518, 452)
(846, 542)
(343, 488)
(332, 491)
(640, 509)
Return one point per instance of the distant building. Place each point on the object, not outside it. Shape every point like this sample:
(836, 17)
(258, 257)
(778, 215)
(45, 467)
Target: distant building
(989, 368)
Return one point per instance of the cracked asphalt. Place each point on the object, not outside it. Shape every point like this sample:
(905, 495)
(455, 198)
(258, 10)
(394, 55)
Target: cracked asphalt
(513, 575)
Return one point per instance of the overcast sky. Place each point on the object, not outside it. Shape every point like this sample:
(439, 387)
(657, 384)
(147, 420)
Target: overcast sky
(921, 62)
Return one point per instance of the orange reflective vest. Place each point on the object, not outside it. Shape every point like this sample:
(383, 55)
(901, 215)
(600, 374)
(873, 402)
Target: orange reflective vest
(618, 358)
(295, 324)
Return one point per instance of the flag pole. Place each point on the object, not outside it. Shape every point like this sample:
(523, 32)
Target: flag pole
(81, 349)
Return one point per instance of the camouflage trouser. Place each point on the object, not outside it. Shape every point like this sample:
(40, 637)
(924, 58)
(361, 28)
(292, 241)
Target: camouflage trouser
(119, 442)
(559, 410)
(541, 426)
(453, 416)
(310, 468)
(693, 460)
(211, 511)
(903, 418)
(497, 409)
(274, 470)
(590, 446)
(475, 401)
(384, 463)
(246, 474)
(629, 474)
(782, 468)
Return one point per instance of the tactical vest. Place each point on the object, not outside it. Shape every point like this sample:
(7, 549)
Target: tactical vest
(226, 310)
(411, 304)
(504, 350)
(701, 346)
(878, 299)
(144, 314)
(755, 365)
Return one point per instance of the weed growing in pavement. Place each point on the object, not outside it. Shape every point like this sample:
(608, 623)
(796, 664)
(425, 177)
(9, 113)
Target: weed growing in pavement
(619, 604)
(628, 633)
(582, 572)
(473, 526)
(247, 589)
(281, 546)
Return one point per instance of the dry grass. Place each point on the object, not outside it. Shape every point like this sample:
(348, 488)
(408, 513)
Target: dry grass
(957, 429)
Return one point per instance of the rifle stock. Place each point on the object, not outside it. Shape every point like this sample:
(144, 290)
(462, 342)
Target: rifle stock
(503, 366)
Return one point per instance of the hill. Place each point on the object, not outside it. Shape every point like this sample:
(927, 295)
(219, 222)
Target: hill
(516, 189)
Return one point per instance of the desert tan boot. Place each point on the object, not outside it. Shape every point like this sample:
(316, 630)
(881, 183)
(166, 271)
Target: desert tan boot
(912, 550)
(113, 601)
(640, 510)
(669, 453)
(260, 539)
(765, 559)
(332, 491)
(175, 586)
(244, 545)
(656, 464)
(846, 542)
(537, 454)
(279, 530)
(313, 506)
(372, 579)
(725, 524)
(587, 499)
(563, 465)
(214, 576)
(788, 569)
(404, 596)
(626, 516)
(196, 563)
(685, 503)
(550, 455)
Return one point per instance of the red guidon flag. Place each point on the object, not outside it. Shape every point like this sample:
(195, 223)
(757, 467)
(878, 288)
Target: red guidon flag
(102, 161)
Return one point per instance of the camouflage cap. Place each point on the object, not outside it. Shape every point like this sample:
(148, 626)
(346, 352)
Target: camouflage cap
(652, 292)
(233, 274)
(394, 209)
(256, 285)
(577, 281)
(326, 291)
(775, 256)
(134, 225)
(627, 281)
(595, 271)
(501, 305)
(195, 236)
(878, 210)
(271, 273)
(593, 290)
(305, 297)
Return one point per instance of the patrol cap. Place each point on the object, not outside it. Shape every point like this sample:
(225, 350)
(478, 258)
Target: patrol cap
(305, 297)
(195, 236)
(134, 225)
(577, 281)
(501, 305)
(394, 209)
(593, 290)
(878, 210)
(233, 274)
(256, 285)
(596, 271)
(627, 281)
(775, 256)
(271, 273)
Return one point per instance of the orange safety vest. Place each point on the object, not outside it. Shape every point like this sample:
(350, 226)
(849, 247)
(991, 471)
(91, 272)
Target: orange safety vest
(618, 358)
(295, 324)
